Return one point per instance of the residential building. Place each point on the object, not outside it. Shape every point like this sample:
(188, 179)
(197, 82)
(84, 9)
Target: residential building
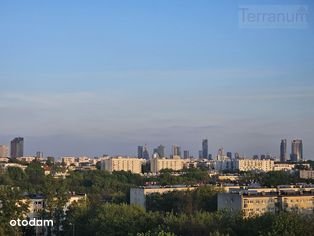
(69, 160)
(307, 174)
(255, 203)
(157, 164)
(123, 164)
(254, 165)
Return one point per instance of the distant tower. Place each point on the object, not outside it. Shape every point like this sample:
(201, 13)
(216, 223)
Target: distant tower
(296, 150)
(186, 154)
(236, 156)
(205, 148)
(176, 150)
(140, 150)
(283, 150)
(17, 147)
(161, 150)
(229, 154)
(145, 153)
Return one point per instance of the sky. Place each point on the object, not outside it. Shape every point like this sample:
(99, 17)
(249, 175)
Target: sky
(102, 77)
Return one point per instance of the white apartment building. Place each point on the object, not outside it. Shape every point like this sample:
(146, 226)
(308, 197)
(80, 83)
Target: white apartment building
(27, 159)
(307, 174)
(123, 164)
(283, 166)
(68, 160)
(157, 164)
(254, 165)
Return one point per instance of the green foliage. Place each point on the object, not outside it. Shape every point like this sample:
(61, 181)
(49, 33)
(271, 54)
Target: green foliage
(202, 198)
(270, 179)
(12, 207)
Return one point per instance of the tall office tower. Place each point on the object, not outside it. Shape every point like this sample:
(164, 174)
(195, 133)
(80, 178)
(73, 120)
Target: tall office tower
(161, 150)
(296, 150)
(140, 150)
(145, 153)
(4, 151)
(283, 150)
(229, 154)
(176, 150)
(210, 156)
(236, 156)
(186, 154)
(205, 148)
(17, 147)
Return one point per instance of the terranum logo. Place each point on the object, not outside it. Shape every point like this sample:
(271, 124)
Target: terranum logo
(274, 16)
(33, 222)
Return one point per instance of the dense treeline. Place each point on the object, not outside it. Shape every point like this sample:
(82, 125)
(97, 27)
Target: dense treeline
(203, 198)
(114, 219)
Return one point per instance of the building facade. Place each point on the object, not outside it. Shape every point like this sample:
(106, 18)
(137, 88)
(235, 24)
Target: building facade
(17, 147)
(123, 164)
(283, 150)
(157, 164)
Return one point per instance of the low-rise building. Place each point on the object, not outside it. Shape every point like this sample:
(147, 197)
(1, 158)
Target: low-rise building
(27, 159)
(283, 166)
(307, 174)
(254, 203)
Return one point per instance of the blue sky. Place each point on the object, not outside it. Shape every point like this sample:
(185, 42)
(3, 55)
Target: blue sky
(94, 77)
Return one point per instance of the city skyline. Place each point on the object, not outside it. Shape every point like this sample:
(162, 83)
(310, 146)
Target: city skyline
(90, 79)
(147, 152)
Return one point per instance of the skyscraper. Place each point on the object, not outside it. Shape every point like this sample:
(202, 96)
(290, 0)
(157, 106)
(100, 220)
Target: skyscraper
(229, 154)
(4, 151)
(205, 148)
(296, 150)
(145, 153)
(160, 150)
(283, 150)
(176, 150)
(186, 154)
(140, 150)
(17, 147)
